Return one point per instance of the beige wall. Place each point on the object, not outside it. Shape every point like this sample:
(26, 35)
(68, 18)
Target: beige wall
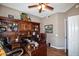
(57, 37)
(48, 21)
(60, 38)
(4, 11)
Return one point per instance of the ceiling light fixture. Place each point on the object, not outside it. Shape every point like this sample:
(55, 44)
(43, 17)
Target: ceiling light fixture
(41, 7)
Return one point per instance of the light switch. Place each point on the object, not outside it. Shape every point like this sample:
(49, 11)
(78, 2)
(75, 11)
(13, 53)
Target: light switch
(56, 35)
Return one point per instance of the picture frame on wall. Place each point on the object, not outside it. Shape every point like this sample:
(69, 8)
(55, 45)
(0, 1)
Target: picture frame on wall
(48, 28)
(10, 16)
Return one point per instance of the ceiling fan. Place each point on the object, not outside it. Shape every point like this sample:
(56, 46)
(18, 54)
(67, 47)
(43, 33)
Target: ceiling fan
(41, 7)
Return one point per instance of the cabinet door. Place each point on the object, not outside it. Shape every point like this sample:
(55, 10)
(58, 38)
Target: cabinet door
(25, 26)
(29, 26)
(36, 27)
(22, 27)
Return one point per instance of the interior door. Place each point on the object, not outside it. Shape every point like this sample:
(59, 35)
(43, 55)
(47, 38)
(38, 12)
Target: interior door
(73, 35)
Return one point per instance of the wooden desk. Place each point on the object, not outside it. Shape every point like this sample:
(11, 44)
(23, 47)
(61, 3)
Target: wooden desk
(40, 51)
(15, 45)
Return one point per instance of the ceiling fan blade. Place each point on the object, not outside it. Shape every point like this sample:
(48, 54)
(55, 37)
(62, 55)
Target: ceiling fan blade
(32, 6)
(49, 7)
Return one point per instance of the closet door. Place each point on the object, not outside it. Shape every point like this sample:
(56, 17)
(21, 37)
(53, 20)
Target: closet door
(73, 35)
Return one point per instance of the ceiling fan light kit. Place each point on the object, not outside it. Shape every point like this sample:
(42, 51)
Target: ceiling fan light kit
(41, 6)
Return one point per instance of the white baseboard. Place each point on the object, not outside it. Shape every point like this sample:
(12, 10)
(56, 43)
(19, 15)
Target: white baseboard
(57, 47)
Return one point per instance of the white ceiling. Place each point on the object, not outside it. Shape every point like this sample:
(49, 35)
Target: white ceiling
(58, 7)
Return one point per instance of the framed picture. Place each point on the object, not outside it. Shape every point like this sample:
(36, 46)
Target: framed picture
(48, 28)
(10, 16)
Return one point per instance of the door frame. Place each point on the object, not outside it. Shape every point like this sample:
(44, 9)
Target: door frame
(66, 35)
